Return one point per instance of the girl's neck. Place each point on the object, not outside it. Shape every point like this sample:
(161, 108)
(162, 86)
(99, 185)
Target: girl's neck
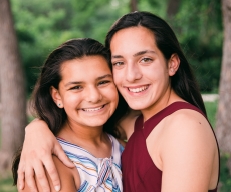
(92, 139)
(86, 133)
(167, 99)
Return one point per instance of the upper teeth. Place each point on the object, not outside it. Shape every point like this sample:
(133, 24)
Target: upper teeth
(136, 90)
(93, 109)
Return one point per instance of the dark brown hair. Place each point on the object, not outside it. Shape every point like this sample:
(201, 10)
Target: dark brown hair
(183, 82)
(42, 102)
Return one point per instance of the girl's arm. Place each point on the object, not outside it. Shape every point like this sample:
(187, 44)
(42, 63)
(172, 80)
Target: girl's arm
(189, 154)
(38, 147)
(69, 178)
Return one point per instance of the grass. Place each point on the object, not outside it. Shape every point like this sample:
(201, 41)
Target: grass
(211, 108)
(225, 179)
(6, 185)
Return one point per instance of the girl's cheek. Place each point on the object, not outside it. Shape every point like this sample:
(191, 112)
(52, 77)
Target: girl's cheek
(116, 77)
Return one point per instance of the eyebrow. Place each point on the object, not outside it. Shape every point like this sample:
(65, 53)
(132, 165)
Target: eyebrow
(104, 76)
(81, 82)
(144, 52)
(136, 54)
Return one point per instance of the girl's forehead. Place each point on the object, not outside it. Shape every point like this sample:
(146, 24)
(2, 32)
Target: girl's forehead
(131, 32)
(85, 68)
(132, 40)
(85, 62)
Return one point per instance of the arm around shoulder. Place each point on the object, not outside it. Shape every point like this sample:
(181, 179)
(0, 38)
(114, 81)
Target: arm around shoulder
(36, 155)
(69, 178)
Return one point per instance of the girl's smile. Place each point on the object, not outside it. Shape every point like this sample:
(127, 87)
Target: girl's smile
(140, 70)
(86, 91)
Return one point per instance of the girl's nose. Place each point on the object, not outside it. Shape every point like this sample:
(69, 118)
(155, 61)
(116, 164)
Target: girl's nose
(133, 72)
(93, 95)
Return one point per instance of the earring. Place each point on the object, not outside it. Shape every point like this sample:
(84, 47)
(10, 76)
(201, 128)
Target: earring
(59, 104)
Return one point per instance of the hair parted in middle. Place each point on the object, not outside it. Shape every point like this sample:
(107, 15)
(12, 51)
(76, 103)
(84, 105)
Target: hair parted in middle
(183, 82)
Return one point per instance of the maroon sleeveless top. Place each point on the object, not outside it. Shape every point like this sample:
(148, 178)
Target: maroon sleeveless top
(139, 171)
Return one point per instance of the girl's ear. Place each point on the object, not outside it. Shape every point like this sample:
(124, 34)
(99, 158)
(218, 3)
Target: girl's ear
(56, 97)
(173, 64)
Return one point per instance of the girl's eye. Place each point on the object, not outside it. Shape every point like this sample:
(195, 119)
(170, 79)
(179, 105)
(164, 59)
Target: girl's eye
(145, 60)
(76, 88)
(117, 64)
(103, 82)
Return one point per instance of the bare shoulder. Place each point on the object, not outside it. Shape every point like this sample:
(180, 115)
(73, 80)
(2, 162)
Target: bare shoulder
(188, 125)
(69, 177)
(189, 136)
(188, 151)
(188, 120)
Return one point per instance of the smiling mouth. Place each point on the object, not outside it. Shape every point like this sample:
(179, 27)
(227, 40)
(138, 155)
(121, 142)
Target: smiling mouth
(139, 89)
(93, 109)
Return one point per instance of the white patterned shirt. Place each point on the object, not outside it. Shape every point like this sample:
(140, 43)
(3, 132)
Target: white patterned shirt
(96, 174)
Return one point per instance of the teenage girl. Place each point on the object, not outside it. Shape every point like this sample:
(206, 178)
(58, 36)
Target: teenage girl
(75, 95)
(172, 146)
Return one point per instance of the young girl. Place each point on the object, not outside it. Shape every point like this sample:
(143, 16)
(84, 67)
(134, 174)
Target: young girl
(75, 95)
(172, 146)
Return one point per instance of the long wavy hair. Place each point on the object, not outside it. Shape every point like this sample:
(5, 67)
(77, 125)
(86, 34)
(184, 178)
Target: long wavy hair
(183, 82)
(42, 103)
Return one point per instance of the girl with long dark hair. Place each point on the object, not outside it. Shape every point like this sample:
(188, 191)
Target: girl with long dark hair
(172, 146)
(76, 97)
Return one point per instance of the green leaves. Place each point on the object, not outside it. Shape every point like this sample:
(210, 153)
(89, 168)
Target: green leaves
(42, 25)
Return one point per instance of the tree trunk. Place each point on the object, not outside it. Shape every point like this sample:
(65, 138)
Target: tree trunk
(13, 100)
(133, 5)
(223, 129)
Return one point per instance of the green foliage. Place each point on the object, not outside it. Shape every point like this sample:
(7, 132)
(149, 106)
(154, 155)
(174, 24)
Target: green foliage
(225, 178)
(211, 108)
(6, 185)
(198, 25)
(156, 7)
(42, 25)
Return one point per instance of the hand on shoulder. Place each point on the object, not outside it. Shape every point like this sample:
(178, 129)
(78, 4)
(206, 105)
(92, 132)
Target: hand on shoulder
(69, 177)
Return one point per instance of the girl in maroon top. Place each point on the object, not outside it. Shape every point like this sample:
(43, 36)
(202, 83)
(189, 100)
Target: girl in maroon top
(172, 147)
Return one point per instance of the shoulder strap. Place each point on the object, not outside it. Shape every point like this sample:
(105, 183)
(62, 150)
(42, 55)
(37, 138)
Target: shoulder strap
(151, 123)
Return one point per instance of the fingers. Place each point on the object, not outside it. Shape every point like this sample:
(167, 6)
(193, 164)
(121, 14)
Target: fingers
(52, 172)
(30, 180)
(58, 151)
(21, 176)
(36, 178)
(41, 178)
(51, 169)
(35, 156)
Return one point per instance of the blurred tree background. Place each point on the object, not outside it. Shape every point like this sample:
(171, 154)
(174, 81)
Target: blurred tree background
(41, 25)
